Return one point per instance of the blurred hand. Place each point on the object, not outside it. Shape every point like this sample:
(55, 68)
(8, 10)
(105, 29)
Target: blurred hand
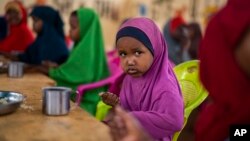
(110, 98)
(43, 68)
(125, 128)
(9, 56)
(49, 64)
(36, 68)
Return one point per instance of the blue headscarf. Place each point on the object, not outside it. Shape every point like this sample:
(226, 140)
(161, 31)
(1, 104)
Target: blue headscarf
(3, 28)
(49, 44)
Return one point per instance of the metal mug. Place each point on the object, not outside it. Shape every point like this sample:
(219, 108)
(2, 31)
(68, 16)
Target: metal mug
(56, 100)
(15, 69)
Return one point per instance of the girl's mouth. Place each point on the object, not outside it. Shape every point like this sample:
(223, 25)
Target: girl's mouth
(132, 71)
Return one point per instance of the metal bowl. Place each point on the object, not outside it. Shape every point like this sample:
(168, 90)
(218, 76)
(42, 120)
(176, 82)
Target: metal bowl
(10, 101)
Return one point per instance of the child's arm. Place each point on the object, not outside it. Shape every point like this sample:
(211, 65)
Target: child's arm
(110, 98)
(165, 117)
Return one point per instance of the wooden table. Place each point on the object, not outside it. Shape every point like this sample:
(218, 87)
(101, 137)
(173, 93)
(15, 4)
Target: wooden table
(28, 123)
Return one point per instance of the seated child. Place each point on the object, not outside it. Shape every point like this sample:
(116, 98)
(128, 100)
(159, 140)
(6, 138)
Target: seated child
(49, 43)
(87, 61)
(15, 35)
(150, 91)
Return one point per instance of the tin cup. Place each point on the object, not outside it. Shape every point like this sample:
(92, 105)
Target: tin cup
(56, 100)
(15, 69)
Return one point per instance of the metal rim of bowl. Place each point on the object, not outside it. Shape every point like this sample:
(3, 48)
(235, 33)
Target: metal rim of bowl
(11, 106)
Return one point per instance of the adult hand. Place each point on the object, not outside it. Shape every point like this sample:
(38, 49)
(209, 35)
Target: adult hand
(124, 127)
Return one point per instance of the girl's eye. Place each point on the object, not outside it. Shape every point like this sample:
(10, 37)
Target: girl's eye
(122, 54)
(137, 53)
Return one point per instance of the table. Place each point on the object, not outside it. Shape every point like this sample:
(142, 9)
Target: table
(28, 123)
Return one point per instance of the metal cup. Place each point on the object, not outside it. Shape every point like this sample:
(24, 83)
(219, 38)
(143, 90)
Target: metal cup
(56, 100)
(15, 69)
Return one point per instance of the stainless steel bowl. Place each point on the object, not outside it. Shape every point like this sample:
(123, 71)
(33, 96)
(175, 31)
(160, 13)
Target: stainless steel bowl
(12, 101)
(56, 100)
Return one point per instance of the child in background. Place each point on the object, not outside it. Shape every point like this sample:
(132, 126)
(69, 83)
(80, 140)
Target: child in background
(17, 36)
(49, 43)
(150, 91)
(175, 34)
(87, 60)
(225, 71)
(195, 37)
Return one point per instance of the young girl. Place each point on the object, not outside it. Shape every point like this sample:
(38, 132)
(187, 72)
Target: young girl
(150, 91)
(19, 36)
(174, 34)
(49, 43)
(225, 71)
(195, 37)
(87, 60)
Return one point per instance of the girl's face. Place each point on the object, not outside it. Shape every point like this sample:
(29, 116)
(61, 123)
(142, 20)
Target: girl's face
(74, 28)
(136, 59)
(13, 17)
(180, 33)
(37, 24)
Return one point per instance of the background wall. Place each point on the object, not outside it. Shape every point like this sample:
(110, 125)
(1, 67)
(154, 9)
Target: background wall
(113, 12)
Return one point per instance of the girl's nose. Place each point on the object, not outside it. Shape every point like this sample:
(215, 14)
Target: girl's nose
(131, 61)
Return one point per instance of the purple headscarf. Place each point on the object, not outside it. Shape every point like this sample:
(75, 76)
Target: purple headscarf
(155, 98)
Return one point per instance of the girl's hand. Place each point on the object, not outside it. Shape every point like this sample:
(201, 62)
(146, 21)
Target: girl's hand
(110, 98)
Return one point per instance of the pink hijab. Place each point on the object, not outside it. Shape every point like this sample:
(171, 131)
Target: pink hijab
(155, 98)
